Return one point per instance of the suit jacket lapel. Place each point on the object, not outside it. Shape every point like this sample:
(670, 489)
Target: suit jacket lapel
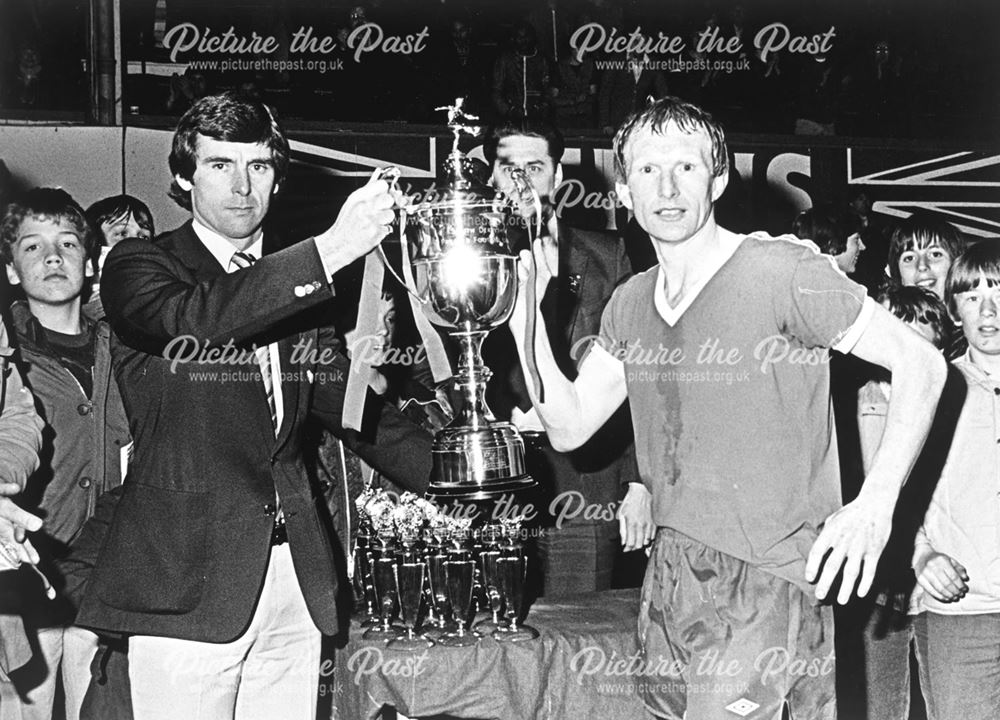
(186, 246)
(291, 389)
(572, 274)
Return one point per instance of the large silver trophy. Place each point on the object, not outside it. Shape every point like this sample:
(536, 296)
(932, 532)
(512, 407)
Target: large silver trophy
(465, 274)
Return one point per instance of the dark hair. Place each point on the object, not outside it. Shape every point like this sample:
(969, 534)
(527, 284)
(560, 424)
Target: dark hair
(922, 230)
(229, 117)
(546, 131)
(689, 118)
(979, 260)
(120, 207)
(53, 204)
(917, 304)
(827, 227)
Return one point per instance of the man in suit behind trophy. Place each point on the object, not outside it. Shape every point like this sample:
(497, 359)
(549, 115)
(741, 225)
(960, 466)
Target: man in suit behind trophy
(581, 490)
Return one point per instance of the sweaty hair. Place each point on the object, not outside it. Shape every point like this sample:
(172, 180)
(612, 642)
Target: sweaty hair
(120, 207)
(229, 117)
(916, 304)
(547, 132)
(52, 204)
(827, 227)
(979, 260)
(689, 118)
(920, 231)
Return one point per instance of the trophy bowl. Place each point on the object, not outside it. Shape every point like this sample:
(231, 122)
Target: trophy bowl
(465, 275)
(467, 286)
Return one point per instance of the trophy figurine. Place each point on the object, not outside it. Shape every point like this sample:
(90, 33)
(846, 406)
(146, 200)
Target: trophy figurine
(465, 275)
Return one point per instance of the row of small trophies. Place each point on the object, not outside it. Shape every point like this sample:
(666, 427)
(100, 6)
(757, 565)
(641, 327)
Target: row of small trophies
(414, 562)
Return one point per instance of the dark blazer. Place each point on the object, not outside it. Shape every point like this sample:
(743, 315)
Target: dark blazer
(187, 550)
(591, 265)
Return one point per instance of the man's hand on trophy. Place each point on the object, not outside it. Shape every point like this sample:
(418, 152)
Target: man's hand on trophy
(540, 266)
(365, 218)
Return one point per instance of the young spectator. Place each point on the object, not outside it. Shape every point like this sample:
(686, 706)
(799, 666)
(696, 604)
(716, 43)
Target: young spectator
(877, 632)
(45, 243)
(837, 234)
(921, 250)
(957, 554)
(117, 218)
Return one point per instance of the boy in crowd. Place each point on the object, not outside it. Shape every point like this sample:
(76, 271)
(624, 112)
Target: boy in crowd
(117, 218)
(874, 634)
(837, 234)
(45, 242)
(957, 554)
(921, 249)
(720, 351)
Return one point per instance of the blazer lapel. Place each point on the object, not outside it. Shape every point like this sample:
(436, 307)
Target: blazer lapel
(186, 247)
(291, 390)
(572, 274)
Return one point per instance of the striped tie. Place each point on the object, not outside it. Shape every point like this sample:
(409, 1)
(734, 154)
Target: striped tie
(241, 260)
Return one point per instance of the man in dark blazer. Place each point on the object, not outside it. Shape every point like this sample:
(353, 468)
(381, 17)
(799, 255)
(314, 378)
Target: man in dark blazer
(217, 562)
(580, 490)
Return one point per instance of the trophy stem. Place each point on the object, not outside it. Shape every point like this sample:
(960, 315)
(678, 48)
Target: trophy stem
(471, 380)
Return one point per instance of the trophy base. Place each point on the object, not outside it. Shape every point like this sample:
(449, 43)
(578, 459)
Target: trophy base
(478, 463)
(445, 492)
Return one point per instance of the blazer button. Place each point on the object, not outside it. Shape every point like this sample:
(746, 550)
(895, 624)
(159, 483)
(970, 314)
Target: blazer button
(85, 482)
(269, 509)
(84, 408)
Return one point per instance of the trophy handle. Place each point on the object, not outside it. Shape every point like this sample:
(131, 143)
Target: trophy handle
(391, 175)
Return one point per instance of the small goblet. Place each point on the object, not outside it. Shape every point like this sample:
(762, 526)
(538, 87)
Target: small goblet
(512, 572)
(409, 582)
(384, 572)
(364, 581)
(459, 577)
(491, 582)
(438, 581)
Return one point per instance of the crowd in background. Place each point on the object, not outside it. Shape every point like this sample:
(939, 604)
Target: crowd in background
(890, 70)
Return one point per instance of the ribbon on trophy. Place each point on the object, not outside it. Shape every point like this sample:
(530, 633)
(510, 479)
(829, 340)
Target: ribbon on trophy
(523, 184)
(368, 319)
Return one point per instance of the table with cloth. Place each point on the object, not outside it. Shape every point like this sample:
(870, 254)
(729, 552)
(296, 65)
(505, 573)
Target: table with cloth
(579, 667)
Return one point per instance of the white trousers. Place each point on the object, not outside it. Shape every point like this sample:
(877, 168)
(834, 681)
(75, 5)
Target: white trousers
(67, 652)
(271, 672)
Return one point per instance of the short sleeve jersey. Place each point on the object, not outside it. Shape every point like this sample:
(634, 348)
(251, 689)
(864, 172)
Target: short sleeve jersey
(731, 402)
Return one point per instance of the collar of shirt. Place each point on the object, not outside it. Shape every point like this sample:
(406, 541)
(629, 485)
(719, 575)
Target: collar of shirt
(222, 250)
(977, 373)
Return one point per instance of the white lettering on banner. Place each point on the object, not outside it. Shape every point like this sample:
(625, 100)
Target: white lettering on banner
(369, 37)
(186, 36)
(776, 36)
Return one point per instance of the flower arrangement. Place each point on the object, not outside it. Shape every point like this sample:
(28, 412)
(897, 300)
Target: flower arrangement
(409, 517)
